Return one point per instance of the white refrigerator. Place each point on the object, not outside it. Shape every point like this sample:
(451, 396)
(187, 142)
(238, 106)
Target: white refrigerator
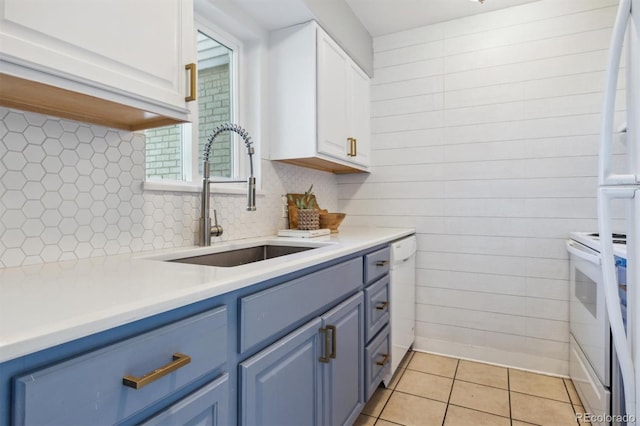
(616, 185)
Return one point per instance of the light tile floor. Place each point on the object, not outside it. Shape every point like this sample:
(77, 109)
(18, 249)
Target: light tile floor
(429, 390)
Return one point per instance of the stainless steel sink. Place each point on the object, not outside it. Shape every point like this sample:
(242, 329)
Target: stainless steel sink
(242, 256)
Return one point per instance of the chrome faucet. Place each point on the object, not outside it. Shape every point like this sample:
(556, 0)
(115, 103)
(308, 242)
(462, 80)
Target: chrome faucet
(206, 230)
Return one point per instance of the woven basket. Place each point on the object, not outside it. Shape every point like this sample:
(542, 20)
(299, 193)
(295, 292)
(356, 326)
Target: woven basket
(308, 219)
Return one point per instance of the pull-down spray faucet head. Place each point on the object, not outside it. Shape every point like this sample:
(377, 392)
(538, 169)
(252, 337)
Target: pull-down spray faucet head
(206, 230)
(251, 180)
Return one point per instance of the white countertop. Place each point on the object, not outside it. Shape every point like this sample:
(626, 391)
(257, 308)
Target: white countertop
(45, 305)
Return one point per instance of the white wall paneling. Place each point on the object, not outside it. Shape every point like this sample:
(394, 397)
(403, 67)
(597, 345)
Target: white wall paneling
(485, 138)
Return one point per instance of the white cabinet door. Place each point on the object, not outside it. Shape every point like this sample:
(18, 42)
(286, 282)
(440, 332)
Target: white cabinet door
(332, 86)
(343, 104)
(359, 112)
(133, 48)
(320, 102)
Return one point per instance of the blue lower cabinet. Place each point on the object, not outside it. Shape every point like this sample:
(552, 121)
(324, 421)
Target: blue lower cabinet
(190, 365)
(312, 376)
(344, 373)
(206, 406)
(281, 385)
(109, 385)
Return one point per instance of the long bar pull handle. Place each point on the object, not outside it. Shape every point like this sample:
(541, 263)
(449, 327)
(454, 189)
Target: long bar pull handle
(179, 360)
(382, 306)
(382, 262)
(191, 68)
(334, 342)
(325, 358)
(355, 147)
(385, 359)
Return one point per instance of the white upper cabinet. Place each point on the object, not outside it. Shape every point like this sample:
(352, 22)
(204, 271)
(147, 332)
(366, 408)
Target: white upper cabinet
(319, 102)
(129, 53)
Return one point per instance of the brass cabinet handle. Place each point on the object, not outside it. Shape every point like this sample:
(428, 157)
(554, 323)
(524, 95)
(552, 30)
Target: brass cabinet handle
(355, 147)
(192, 82)
(382, 262)
(334, 342)
(385, 359)
(325, 358)
(351, 147)
(179, 360)
(382, 306)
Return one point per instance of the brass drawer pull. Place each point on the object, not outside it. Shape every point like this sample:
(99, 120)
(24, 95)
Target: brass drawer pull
(179, 360)
(382, 306)
(382, 263)
(355, 147)
(193, 88)
(385, 359)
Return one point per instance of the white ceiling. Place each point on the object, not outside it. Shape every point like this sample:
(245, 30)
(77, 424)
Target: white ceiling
(275, 14)
(382, 17)
(379, 17)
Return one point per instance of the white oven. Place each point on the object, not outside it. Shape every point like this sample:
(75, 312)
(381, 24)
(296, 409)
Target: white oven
(593, 366)
(588, 321)
(590, 343)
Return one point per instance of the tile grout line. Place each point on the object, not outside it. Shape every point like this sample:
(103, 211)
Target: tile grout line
(483, 384)
(453, 381)
(390, 395)
(544, 397)
(573, 407)
(394, 388)
(509, 395)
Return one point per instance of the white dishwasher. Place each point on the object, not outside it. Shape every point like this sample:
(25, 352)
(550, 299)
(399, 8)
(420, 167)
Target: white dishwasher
(402, 306)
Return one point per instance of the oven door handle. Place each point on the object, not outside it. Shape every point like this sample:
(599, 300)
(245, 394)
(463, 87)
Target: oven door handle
(579, 251)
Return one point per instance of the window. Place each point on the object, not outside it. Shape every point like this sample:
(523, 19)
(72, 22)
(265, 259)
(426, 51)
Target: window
(170, 150)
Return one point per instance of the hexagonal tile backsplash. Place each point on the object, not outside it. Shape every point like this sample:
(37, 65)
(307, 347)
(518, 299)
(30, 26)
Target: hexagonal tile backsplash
(71, 190)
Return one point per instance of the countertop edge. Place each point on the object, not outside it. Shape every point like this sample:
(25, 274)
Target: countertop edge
(16, 343)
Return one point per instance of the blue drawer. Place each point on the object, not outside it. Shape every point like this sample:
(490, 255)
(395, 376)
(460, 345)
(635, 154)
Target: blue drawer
(376, 264)
(377, 361)
(268, 312)
(377, 307)
(89, 389)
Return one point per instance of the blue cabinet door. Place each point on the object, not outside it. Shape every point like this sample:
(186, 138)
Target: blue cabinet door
(282, 384)
(206, 406)
(344, 374)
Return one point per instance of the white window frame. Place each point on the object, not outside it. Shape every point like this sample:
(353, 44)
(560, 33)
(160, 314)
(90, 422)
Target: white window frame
(192, 179)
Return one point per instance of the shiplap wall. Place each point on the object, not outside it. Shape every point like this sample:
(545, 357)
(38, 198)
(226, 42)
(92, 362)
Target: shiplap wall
(485, 139)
